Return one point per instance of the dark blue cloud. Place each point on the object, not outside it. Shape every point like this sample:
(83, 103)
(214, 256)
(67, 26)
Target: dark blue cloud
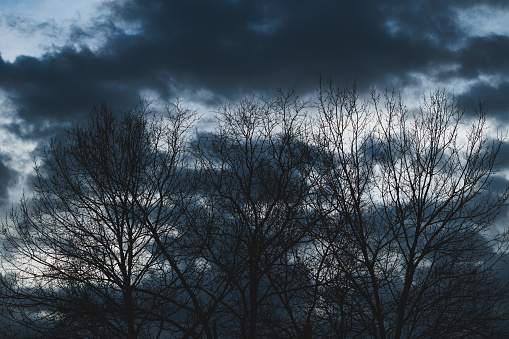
(231, 48)
(494, 98)
(8, 177)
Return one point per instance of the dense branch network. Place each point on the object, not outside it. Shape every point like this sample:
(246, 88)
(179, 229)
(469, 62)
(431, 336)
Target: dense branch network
(339, 218)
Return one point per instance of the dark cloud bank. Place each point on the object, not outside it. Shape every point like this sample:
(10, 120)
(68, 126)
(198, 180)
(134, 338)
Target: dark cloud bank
(234, 47)
(230, 48)
(8, 177)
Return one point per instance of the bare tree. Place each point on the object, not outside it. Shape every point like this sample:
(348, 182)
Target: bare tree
(85, 256)
(410, 196)
(368, 221)
(255, 169)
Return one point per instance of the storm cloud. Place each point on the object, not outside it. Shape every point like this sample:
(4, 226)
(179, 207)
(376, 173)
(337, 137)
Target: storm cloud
(211, 51)
(230, 48)
(8, 177)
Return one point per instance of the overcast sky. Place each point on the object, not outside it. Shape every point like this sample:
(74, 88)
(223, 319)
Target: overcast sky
(58, 57)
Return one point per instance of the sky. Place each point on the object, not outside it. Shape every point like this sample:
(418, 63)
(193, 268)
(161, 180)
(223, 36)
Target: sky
(58, 58)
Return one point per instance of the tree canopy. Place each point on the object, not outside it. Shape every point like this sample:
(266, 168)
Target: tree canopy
(340, 217)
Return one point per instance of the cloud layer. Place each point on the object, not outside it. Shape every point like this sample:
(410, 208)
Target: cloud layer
(227, 48)
(232, 47)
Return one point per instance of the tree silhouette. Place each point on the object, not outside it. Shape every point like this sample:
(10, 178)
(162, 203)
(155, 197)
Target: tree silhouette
(255, 168)
(405, 254)
(355, 219)
(82, 252)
